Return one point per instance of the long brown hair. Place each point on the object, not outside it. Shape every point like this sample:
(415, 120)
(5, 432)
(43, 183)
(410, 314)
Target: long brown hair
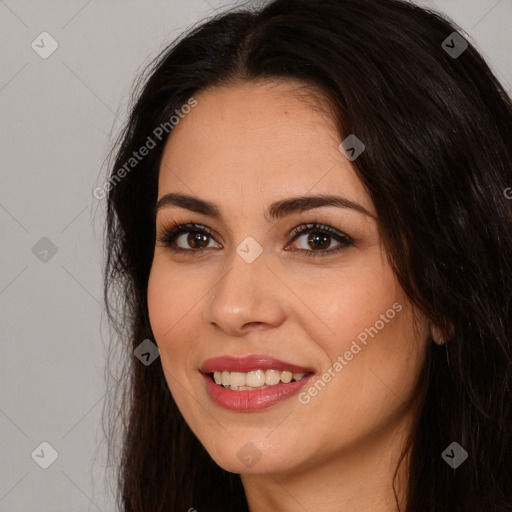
(438, 130)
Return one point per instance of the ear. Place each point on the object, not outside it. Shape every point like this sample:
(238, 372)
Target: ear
(436, 334)
(439, 336)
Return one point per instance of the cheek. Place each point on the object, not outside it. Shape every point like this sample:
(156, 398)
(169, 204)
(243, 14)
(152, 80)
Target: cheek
(170, 297)
(159, 311)
(367, 321)
(349, 301)
(168, 304)
(383, 376)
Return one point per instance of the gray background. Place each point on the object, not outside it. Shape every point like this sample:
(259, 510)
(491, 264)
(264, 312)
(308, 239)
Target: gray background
(58, 117)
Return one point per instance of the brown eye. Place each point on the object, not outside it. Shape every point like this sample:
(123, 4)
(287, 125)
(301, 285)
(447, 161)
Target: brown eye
(319, 239)
(197, 240)
(191, 238)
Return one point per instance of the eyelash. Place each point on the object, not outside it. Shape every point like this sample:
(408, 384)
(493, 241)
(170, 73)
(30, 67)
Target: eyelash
(173, 230)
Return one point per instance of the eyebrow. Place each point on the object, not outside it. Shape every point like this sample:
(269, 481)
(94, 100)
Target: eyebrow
(276, 210)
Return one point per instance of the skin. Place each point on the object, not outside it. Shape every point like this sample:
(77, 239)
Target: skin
(244, 147)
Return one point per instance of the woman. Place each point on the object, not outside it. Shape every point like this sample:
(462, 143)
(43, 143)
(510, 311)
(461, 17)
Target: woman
(307, 215)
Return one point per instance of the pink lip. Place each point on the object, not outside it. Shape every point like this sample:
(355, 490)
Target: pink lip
(246, 401)
(249, 364)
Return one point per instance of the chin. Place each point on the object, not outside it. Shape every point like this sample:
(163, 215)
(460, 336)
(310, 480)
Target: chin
(254, 458)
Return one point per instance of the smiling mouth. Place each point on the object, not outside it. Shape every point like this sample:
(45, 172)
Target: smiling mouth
(255, 380)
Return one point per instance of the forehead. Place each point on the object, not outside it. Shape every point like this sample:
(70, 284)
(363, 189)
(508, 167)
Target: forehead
(256, 141)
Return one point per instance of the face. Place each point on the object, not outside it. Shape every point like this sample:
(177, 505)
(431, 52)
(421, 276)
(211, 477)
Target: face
(307, 284)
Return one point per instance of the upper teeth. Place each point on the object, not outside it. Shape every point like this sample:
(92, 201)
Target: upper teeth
(255, 379)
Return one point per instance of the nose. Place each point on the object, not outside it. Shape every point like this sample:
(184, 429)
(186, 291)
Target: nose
(248, 296)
